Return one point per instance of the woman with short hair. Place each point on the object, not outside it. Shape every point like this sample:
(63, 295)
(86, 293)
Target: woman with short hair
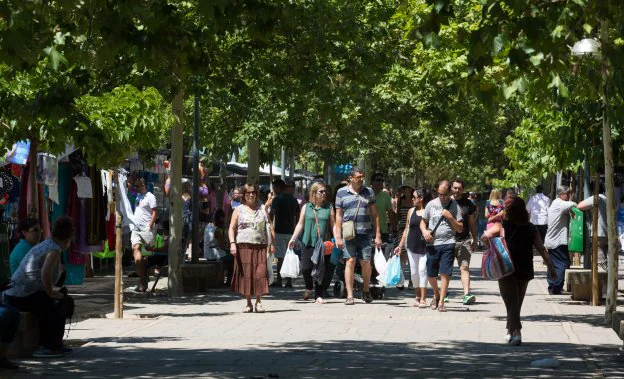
(250, 235)
(29, 232)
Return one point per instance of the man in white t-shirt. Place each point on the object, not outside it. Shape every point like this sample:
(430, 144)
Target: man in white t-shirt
(145, 214)
(537, 206)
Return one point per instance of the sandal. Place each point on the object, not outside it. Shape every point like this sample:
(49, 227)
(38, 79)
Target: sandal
(423, 304)
(306, 294)
(349, 301)
(367, 297)
(248, 309)
(319, 300)
(259, 308)
(434, 304)
(441, 308)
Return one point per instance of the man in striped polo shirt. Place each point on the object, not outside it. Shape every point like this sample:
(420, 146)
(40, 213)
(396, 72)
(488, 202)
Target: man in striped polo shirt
(356, 203)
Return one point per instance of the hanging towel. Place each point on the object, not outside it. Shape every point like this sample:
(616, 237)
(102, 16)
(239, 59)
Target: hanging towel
(126, 208)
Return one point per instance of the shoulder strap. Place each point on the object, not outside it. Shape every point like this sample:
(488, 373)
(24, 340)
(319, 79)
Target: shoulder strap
(441, 217)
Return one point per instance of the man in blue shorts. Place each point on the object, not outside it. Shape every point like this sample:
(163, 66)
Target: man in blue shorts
(442, 219)
(356, 203)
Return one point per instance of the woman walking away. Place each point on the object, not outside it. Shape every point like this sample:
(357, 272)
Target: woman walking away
(416, 246)
(520, 236)
(34, 292)
(493, 209)
(250, 234)
(316, 221)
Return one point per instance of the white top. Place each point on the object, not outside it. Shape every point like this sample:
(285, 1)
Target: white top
(27, 277)
(558, 223)
(538, 209)
(143, 206)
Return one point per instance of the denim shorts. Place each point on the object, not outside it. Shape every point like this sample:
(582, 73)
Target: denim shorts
(440, 260)
(361, 247)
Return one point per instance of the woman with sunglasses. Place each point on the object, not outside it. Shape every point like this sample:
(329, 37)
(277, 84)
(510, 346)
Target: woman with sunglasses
(250, 234)
(316, 221)
(30, 235)
(416, 246)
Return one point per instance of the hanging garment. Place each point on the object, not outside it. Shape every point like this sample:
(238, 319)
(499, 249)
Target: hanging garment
(47, 169)
(126, 208)
(63, 188)
(96, 211)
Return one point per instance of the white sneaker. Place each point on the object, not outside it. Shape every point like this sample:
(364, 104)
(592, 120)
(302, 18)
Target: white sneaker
(507, 337)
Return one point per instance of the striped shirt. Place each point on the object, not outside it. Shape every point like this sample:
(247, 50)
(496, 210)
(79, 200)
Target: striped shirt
(348, 202)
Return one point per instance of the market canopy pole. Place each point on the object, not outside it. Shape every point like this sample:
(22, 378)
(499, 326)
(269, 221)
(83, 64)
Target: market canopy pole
(195, 198)
(174, 282)
(118, 295)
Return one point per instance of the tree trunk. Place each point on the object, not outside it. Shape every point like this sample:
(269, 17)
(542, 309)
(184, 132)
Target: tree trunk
(118, 295)
(283, 162)
(195, 198)
(253, 161)
(612, 277)
(594, 266)
(175, 215)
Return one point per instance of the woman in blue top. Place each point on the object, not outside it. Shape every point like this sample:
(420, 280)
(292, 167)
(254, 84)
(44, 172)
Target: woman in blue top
(29, 232)
(316, 221)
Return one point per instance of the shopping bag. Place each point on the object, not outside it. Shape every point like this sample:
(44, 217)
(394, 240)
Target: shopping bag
(270, 275)
(336, 255)
(496, 262)
(290, 267)
(393, 271)
(380, 262)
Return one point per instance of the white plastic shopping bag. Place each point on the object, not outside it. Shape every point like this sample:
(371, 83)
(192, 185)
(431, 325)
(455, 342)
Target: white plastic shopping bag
(290, 267)
(380, 261)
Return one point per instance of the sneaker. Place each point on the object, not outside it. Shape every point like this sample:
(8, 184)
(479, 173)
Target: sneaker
(507, 338)
(515, 340)
(44, 352)
(469, 299)
(366, 296)
(446, 300)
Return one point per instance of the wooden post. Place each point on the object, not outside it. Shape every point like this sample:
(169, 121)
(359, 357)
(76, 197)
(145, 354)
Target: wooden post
(118, 295)
(175, 215)
(594, 266)
(612, 261)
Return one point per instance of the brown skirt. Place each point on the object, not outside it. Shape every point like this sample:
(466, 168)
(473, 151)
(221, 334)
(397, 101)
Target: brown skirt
(250, 270)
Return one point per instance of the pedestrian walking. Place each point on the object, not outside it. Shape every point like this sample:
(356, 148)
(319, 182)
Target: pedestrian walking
(557, 238)
(464, 245)
(441, 220)
(316, 221)
(383, 201)
(520, 236)
(416, 246)
(144, 233)
(284, 213)
(251, 238)
(493, 208)
(537, 206)
(356, 213)
(404, 205)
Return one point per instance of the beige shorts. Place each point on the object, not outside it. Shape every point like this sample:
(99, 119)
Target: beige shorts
(463, 252)
(142, 237)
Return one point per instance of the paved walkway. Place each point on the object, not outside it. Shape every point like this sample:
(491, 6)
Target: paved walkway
(208, 336)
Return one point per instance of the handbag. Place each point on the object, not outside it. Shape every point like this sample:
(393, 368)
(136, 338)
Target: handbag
(496, 262)
(348, 227)
(328, 246)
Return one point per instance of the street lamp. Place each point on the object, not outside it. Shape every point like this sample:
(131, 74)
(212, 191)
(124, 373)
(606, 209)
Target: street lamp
(589, 46)
(586, 46)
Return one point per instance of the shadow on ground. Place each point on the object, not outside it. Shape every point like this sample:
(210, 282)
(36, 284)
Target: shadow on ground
(125, 357)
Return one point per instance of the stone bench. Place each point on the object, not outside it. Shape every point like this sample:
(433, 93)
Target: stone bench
(618, 323)
(27, 336)
(581, 284)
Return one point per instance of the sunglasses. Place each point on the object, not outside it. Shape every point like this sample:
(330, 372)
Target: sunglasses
(322, 192)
